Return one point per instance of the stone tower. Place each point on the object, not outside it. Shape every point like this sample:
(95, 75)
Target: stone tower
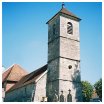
(63, 77)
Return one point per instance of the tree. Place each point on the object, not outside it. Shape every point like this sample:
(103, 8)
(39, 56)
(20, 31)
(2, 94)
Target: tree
(98, 88)
(87, 90)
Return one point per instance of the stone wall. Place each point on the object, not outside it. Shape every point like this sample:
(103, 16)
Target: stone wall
(53, 40)
(66, 73)
(52, 79)
(63, 28)
(53, 50)
(75, 88)
(69, 56)
(53, 60)
(53, 70)
(70, 79)
(69, 48)
(64, 51)
(40, 90)
(22, 94)
(55, 21)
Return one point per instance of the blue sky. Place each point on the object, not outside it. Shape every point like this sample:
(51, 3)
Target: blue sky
(25, 35)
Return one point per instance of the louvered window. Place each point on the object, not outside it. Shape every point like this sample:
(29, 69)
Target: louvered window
(69, 28)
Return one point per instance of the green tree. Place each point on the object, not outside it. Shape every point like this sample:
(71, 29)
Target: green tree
(98, 88)
(87, 90)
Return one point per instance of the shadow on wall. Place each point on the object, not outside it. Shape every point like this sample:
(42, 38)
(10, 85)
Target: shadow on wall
(76, 81)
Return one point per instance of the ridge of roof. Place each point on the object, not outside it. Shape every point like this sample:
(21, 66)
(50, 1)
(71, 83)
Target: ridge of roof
(65, 11)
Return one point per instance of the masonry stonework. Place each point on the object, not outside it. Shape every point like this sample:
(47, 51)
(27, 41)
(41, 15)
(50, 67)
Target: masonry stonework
(23, 94)
(63, 28)
(40, 89)
(63, 51)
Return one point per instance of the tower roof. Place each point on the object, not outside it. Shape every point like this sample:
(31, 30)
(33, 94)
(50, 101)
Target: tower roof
(66, 12)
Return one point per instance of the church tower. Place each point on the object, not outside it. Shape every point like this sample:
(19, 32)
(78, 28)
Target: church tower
(63, 77)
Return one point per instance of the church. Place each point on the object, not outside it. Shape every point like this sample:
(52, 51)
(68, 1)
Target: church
(57, 81)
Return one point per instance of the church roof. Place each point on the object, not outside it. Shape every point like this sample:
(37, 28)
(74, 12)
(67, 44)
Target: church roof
(29, 78)
(66, 12)
(14, 73)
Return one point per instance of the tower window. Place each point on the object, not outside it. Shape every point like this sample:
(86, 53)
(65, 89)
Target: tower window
(69, 66)
(54, 29)
(69, 28)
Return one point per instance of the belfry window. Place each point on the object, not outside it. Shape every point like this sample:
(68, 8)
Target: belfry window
(69, 28)
(54, 29)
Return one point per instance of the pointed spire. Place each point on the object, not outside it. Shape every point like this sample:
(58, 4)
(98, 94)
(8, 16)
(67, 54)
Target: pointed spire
(63, 4)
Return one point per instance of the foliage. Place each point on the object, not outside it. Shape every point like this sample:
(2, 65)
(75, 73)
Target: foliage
(87, 90)
(98, 88)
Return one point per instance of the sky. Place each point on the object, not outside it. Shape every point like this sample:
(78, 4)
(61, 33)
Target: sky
(25, 35)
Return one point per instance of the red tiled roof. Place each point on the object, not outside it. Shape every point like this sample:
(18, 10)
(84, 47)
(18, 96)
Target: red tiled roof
(29, 78)
(14, 73)
(65, 11)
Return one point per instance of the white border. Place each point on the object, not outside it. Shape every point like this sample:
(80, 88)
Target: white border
(51, 1)
(0, 49)
(102, 51)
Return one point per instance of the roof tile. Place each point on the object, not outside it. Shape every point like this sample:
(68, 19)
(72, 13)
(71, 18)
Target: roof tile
(14, 73)
(65, 11)
(29, 78)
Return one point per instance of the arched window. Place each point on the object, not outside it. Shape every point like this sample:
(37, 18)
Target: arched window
(69, 28)
(54, 29)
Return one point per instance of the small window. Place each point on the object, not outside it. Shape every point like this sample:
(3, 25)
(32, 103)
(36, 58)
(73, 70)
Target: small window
(54, 29)
(69, 28)
(69, 66)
